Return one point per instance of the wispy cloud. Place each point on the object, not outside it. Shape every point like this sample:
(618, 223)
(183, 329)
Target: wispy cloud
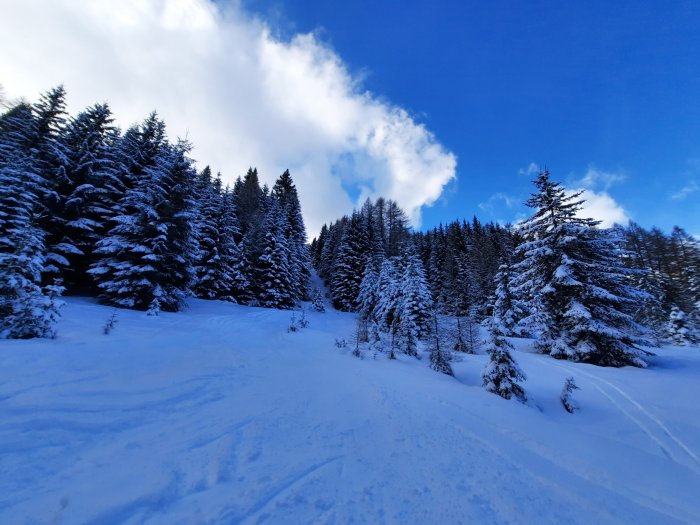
(686, 190)
(498, 200)
(532, 169)
(501, 208)
(599, 179)
(243, 96)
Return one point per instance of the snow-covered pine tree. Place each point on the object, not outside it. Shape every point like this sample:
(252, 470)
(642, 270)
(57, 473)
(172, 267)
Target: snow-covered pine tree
(49, 158)
(388, 296)
(680, 329)
(437, 274)
(406, 339)
(350, 263)
(272, 271)
(472, 331)
(438, 358)
(175, 247)
(317, 301)
(209, 268)
(416, 302)
(460, 345)
(507, 307)
(148, 253)
(122, 271)
(330, 249)
(249, 198)
(694, 319)
(368, 295)
(286, 194)
(25, 309)
(465, 292)
(502, 376)
(234, 267)
(90, 141)
(376, 343)
(577, 287)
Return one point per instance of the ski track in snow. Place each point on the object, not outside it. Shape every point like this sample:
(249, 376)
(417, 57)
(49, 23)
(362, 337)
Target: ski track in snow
(217, 415)
(664, 438)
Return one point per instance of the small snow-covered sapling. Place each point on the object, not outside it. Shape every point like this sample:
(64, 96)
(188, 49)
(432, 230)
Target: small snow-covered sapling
(293, 326)
(303, 321)
(569, 404)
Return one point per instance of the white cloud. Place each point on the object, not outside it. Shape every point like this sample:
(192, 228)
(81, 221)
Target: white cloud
(602, 207)
(243, 97)
(599, 204)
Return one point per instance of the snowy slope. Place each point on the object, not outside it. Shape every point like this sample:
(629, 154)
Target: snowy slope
(218, 415)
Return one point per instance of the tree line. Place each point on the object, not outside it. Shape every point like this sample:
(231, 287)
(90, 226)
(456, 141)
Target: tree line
(586, 293)
(87, 209)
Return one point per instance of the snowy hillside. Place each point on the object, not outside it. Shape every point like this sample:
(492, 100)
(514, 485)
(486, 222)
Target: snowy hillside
(218, 415)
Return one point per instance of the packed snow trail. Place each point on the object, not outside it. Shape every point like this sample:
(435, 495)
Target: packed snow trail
(218, 415)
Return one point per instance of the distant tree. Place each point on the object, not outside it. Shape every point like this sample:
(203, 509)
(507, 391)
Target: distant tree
(681, 330)
(273, 277)
(369, 290)
(416, 302)
(439, 361)
(349, 265)
(507, 306)
(286, 194)
(386, 310)
(317, 301)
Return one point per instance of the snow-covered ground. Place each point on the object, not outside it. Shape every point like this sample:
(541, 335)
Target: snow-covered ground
(218, 415)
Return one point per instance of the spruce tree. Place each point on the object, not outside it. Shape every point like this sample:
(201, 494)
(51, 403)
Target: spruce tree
(90, 144)
(578, 289)
(273, 276)
(438, 359)
(507, 306)
(26, 310)
(681, 330)
(350, 264)
(235, 282)
(286, 194)
(209, 267)
(386, 310)
(50, 160)
(502, 376)
(368, 295)
(416, 302)
(147, 256)
(317, 301)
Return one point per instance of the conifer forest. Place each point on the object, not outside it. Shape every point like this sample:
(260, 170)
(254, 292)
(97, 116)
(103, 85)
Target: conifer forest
(88, 209)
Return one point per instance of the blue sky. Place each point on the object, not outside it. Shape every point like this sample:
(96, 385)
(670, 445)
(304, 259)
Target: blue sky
(446, 107)
(612, 87)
